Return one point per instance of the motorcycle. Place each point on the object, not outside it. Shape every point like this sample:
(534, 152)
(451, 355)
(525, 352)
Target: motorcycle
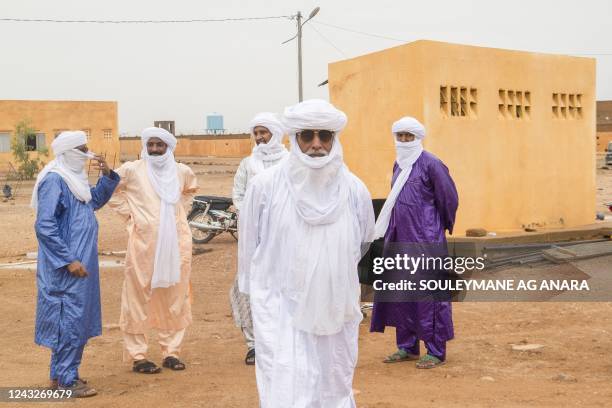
(211, 216)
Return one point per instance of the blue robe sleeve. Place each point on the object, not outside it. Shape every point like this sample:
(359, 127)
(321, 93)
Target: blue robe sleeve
(47, 226)
(445, 193)
(102, 192)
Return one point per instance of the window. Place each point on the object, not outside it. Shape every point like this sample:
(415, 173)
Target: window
(459, 101)
(566, 106)
(40, 141)
(5, 142)
(87, 133)
(108, 133)
(514, 104)
(30, 142)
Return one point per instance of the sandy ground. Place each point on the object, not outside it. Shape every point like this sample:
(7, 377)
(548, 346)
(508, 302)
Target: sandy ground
(574, 368)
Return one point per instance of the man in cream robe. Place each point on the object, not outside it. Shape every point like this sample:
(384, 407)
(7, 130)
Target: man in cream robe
(156, 292)
(268, 132)
(302, 227)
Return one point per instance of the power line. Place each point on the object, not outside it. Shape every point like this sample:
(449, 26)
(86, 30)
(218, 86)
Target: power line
(328, 41)
(360, 32)
(405, 41)
(207, 20)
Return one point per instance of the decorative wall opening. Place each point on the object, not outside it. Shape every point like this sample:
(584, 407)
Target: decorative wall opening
(513, 104)
(458, 101)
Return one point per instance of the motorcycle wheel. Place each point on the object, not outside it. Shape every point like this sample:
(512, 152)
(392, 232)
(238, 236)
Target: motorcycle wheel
(198, 236)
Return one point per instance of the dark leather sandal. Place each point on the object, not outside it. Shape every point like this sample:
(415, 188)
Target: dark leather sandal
(173, 363)
(145, 367)
(250, 357)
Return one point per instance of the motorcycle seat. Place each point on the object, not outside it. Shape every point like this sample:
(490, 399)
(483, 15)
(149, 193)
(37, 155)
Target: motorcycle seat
(215, 199)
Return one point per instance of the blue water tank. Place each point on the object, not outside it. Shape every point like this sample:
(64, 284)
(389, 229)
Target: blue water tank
(214, 123)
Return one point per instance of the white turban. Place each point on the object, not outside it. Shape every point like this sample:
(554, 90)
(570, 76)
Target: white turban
(314, 181)
(67, 141)
(407, 154)
(166, 137)
(271, 151)
(411, 125)
(313, 114)
(163, 174)
(69, 163)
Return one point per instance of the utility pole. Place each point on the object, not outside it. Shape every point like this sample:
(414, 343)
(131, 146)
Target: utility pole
(299, 40)
(299, 17)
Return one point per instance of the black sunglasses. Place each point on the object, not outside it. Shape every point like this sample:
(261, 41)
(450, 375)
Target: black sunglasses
(325, 136)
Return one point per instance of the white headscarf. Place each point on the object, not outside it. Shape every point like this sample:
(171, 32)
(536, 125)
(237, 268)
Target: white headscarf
(406, 154)
(266, 152)
(163, 175)
(314, 182)
(322, 279)
(69, 163)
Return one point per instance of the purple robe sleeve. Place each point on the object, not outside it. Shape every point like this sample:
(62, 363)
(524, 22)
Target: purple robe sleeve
(445, 193)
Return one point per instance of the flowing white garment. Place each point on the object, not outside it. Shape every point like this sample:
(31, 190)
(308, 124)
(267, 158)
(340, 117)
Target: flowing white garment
(69, 163)
(163, 175)
(297, 367)
(302, 224)
(264, 153)
(406, 154)
(320, 280)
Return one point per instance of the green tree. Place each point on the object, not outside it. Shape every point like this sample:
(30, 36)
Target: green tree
(27, 167)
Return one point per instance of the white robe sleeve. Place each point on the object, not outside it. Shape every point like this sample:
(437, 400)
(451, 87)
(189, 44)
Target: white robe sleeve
(240, 184)
(249, 232)
(365, 213)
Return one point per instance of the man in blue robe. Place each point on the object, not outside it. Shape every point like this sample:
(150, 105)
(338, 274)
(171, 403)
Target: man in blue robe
(68, 304)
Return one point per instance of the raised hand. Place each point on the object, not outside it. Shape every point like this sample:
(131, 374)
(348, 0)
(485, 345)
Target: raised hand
(101, 165)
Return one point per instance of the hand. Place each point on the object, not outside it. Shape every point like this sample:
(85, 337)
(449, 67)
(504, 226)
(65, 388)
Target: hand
(77, 269)
(102, 165)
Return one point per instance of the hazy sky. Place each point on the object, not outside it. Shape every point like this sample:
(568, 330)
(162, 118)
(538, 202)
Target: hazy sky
(182, 72)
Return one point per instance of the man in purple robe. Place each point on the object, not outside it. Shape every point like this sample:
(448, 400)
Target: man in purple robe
(420, 208)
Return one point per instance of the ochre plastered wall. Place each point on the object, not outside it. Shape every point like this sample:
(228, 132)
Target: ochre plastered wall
(50, 117)
(510, 172)
(218, 146)
(603, 138)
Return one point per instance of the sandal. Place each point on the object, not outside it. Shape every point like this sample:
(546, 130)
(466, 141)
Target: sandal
(173, 363)
(250, 357)
(399, 356)
(79, 390)
(54, 384)
(145, 367)
(429, 361)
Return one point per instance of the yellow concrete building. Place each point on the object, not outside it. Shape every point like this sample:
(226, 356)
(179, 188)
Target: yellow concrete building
(604, 125)
(516, 129)
(49, 118)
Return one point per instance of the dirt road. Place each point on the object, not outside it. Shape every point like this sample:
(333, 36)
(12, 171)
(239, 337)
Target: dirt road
(573, 368)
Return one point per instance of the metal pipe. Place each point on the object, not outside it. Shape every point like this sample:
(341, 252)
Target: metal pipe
(205, 227)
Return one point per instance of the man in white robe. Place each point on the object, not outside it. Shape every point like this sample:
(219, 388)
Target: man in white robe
(302, 227)
(267, 132)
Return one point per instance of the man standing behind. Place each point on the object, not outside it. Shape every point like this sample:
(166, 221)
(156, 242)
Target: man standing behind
(301, 229)
(269, 150)
(156, 292)
(68, 305)
(419, 209)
